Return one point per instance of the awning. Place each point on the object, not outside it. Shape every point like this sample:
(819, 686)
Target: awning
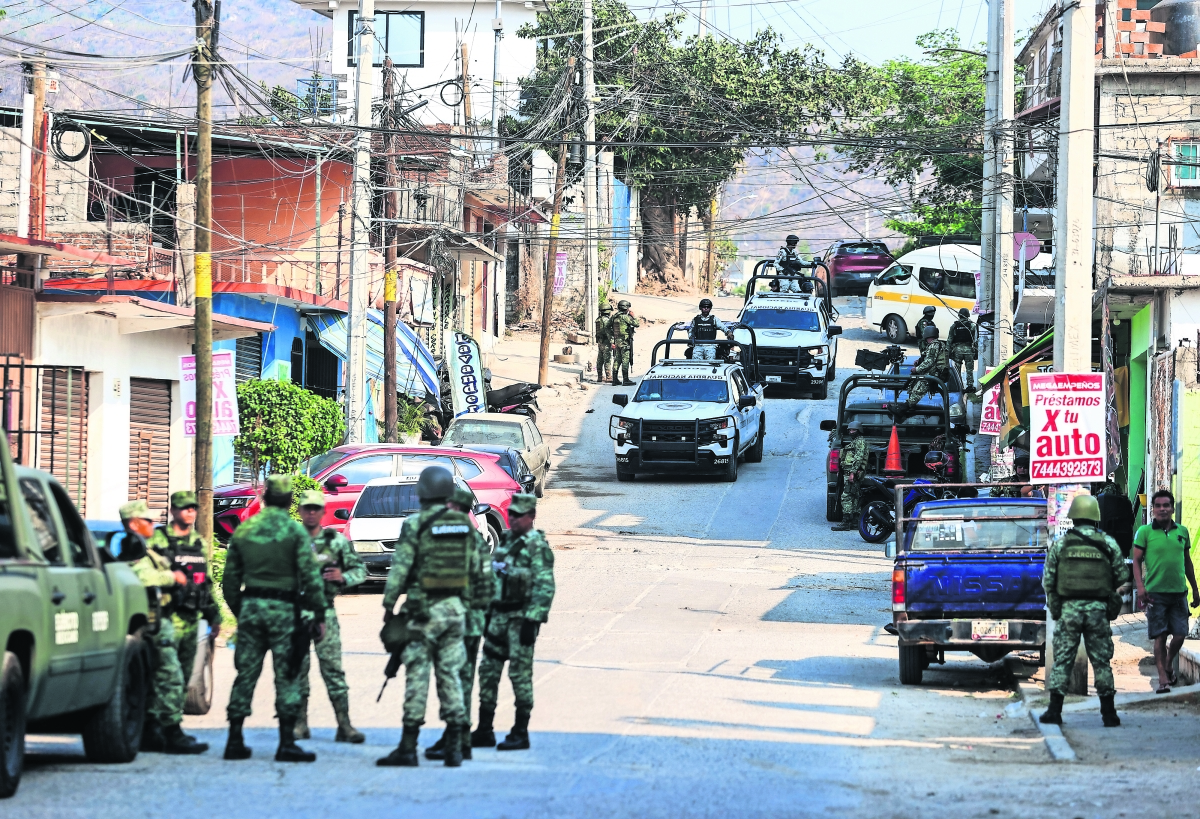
(1027, 353)
(416, 372)
(135, 315)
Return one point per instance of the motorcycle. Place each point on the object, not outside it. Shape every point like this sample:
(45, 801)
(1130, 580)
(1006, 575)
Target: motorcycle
(519, 398)
(878, 517)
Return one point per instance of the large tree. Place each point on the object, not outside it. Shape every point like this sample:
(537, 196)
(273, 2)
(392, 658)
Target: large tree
(680, 114)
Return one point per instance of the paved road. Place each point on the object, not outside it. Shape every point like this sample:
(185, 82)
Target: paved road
(714, 650)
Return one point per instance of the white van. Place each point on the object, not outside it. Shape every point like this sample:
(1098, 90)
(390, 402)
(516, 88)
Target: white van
(944, 276)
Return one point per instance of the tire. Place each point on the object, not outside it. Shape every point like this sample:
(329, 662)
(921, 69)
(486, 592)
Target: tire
(832, 374)
(113, 732)
(493, 537)
(833, 507)
(821, 392)
(895, 329)
(539, 489)
(625, 475)
(754, 454)
(912, 664)
(12, 724)
(729, 475)
(869, 529)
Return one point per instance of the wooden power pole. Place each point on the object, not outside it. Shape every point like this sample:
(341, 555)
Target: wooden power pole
(202, 70)
(390, 212)
(552, 247)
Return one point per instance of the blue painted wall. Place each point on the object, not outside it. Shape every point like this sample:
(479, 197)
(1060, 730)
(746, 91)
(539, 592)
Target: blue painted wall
(620, 234)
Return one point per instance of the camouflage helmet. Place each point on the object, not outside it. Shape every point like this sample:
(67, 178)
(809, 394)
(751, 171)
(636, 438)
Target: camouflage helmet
(929, 310)
(1084, 507)
(930, 332)
(705, 303)
(435, 484)
(964, 313)
(623, 305)
(854, 426)
(606, 308)
(792, 239)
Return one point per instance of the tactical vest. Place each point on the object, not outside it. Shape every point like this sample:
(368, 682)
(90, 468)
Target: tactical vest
(516, 583)
(704, 329)
(443, 553)
(184, 558)
(791, 261)
(960, 333)
(1084, 568)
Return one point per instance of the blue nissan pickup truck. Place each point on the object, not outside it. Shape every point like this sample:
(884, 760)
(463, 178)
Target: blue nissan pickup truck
(968, 577)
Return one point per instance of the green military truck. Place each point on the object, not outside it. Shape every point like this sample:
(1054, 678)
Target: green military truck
(70, 626)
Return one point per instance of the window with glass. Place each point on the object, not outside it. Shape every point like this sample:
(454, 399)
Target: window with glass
(361, 470)
(958, 528)
(683, 389)
(392, 501)
(1186, 174)
(955, 283)
(896, 274)
(413, 465)
(778, 319)
(398, 34)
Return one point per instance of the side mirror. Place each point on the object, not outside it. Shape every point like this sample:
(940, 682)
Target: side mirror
(336, 482)
(527, 483)
(105, 555)
(747, 401)
(833, 330)
(621, 399)
(828, 425)
(481, 508)
(889, 547)
(341, 514)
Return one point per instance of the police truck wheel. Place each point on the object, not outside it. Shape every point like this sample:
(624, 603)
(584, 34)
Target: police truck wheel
(754, 454)
(730, 473)
(895, 329)
(912, 664)
(821, 392)
(624, 475)
(12, 724)
(113, 732)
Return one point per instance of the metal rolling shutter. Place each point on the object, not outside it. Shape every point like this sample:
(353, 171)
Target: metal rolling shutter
(150, 442)
(63, 442)
(247, 365)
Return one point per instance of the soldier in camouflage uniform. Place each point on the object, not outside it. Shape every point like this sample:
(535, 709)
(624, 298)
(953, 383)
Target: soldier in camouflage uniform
(437, 564)
(851, 463)
(1084, 577)
(271, 556)
(463, 501)
(524, 591)
(168, 689)
(182, 545)
(926, 320)
(962, 346)
(1013, 484)
(933, 361)
(623, 326)
(341, 569)
(604, 345)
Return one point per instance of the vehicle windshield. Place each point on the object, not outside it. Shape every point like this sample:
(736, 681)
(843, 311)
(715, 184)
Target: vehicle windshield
(863, 249)
(391, 501)
(777, 319)
(966, 527)
(483, 432)
(896, 274)
(317, 464)
(683, 389)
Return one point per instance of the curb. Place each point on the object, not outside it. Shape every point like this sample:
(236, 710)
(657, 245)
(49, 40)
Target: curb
(1056, 743)
(1093, 703)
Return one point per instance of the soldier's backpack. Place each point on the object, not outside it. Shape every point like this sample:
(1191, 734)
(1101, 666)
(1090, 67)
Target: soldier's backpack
(960, 333)
(1084, 568)
(444, 552)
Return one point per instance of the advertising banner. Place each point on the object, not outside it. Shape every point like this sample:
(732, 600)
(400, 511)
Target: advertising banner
(560, 271)
(466, 376)
(225, 407)
(990, 420)
(1066, 427)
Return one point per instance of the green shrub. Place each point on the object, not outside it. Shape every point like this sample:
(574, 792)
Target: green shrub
(283, 424)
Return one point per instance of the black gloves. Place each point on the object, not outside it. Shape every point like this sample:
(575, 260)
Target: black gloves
(529, 632)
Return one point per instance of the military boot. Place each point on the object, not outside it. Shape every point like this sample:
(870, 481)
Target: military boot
(1053, 715)
(484, 736)
(845, 525)
(518, 737)
(288, 750)
(235, 746)
(177, 742)
(153, 741)
(466, 741)
(302, 731)
(453, 752)
(345, 732)
(405, 755)
(437, 750)
(1108, 711)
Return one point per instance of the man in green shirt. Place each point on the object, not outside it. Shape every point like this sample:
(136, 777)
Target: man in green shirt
(1162, 564)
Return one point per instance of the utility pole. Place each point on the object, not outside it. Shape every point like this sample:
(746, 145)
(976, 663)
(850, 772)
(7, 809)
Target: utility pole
(203, 71)
(390, 211)
(360, 226)
(987, 233)
(702, 28)
(592, 267)
(552, 246)
(1002, 188)
(498, 27)
(37, 188)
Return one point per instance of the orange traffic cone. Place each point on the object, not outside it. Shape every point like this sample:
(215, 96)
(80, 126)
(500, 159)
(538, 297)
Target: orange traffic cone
(893, 464)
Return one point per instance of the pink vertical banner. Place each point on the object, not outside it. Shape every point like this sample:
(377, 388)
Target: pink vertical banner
(560, 271)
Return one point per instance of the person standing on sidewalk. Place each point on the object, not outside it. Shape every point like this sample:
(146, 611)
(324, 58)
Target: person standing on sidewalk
(1162, 565)
(1083, 577)
(604, 345)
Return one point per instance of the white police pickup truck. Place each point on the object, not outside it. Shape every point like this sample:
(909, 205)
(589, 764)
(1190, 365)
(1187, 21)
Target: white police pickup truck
(796, 341)
(690, 416)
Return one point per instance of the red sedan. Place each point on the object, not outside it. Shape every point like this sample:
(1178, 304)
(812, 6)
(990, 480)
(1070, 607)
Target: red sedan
(345, 470)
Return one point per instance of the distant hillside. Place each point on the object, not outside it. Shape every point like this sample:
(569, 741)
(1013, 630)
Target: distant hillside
(281, 41)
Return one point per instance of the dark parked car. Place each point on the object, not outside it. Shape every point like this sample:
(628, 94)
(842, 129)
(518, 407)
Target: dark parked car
(512, 462)
(853, 265)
